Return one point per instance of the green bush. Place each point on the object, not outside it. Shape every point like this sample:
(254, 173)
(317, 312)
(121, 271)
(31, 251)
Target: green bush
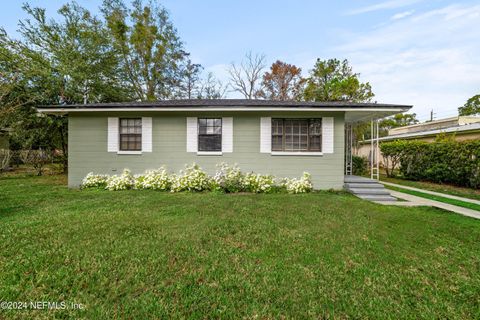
(442, 161)
(359, 165)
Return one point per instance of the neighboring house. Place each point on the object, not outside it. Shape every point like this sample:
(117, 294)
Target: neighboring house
(269, 137)
(460, 128)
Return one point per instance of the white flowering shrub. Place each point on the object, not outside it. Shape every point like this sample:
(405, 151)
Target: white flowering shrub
(228, 179)
(259, 183)
(193, 178)
(124, 181)
(92, 180)
(154, 179)
(138, 181)
(302, 185)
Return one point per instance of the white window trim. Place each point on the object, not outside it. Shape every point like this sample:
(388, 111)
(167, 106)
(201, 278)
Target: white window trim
(209, 153)
(294, 153)
(129, 152)
(223, 145)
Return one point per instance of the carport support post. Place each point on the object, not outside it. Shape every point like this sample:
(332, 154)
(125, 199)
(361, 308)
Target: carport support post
(374, 152)
(348, 149)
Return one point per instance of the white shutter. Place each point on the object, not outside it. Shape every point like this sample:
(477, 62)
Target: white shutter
(146, 134)
(227, 134)
(327, 134)
(112, 135)
(192, 134)
(265, 134)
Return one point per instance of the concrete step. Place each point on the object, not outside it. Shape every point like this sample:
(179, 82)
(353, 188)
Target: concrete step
(367, 189)
(363, 185)
(376, 197)
(355, 179)
(376, 191)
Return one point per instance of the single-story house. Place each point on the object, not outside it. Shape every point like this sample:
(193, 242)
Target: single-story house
(282, 138)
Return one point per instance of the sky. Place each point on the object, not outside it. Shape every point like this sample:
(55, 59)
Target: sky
(422, 53)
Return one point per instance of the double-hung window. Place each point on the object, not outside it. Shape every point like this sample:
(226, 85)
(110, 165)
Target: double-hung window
(130, 134)
(297, 135)
(210, 134)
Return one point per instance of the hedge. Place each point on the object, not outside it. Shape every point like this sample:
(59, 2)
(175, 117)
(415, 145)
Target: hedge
(442, 161)
(359, 165)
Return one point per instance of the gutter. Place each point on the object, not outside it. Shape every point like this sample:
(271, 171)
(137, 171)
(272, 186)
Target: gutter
(241, 109)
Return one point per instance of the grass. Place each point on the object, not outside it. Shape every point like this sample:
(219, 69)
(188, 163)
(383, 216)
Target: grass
(442, 188)
(454, 202)
(140, 254)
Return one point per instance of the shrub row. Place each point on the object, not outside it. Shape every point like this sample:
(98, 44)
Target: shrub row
(193, 178)
(442, 161)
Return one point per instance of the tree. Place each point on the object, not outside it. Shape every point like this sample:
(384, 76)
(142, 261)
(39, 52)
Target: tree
(334, 80)
(190, 81)
(471, 107)
(14, 88)
(150, 49)
(5, 156)
(73, 55)
(20, 89)
(405, 119)
(245, 78)
(392, 153)
(70, 60)
(211, 88)
(283, 82)
(398, 120)
(362, 131)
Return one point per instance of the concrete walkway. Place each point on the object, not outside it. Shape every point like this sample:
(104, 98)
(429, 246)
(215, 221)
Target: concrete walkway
(444, 195)
(412, 200)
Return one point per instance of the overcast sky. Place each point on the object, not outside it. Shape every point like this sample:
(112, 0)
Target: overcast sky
(425, 53)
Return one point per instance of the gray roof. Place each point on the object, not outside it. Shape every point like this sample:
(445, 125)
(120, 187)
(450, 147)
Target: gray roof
(205, 103)
(429, 133)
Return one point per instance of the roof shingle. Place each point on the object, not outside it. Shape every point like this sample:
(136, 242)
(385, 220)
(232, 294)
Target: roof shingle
(205, 103)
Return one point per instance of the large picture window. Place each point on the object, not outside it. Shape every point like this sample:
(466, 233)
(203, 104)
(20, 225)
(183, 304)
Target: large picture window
(210, 134)
(131, 134)
(297, 135)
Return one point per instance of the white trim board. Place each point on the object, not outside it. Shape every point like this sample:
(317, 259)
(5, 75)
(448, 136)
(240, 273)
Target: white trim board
(227, 134)
(147, 131)
(213, 109)
(209, 153)
(112, 134)
(192, 134)
(293, 153)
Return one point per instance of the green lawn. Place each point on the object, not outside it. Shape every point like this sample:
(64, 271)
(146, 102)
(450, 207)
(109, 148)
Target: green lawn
(442, 188)
(454, 202)
(140, 254)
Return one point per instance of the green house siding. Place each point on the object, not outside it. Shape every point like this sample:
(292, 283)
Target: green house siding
(88, 148)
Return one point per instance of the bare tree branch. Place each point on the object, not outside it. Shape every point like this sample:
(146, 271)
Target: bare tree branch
(245, 78)
(211, 88)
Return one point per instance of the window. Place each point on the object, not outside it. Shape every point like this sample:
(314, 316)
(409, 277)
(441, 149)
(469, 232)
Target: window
(297, 135)
(209, 134)
(131, 134)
